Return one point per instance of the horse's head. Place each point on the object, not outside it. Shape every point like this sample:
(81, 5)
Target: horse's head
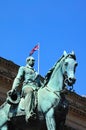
(62, 73)
(68, 68)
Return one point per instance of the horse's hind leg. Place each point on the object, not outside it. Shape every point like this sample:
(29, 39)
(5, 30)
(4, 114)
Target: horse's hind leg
(50, 120)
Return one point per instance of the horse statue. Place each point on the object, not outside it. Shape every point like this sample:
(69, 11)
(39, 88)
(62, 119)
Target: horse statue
(48, 97)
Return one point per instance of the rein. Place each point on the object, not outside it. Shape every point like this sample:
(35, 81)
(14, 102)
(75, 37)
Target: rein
(55, 92)
(60, 91)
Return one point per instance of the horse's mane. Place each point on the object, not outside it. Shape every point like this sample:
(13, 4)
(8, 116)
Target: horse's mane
(49, 73)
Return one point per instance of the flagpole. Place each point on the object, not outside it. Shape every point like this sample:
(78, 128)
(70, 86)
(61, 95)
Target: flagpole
(38, 57)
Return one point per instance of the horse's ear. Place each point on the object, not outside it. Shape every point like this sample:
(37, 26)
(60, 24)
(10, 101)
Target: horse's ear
(73, 53)
(65, 53)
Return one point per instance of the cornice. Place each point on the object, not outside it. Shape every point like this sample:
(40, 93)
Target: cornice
(77, 100)
(77, 111)
(76, 96)
(8, 64)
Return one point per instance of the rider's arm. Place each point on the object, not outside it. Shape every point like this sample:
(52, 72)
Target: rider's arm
(18, 78)
(40, 83)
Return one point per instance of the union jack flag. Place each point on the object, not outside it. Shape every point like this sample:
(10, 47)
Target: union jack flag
(34, 49)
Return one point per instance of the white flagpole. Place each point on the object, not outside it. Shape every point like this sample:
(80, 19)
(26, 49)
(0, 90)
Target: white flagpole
(38, 57)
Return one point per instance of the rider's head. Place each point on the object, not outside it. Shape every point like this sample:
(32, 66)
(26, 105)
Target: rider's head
(30, 61)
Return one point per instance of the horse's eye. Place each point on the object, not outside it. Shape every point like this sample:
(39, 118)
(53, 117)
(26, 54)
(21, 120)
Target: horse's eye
(66, 63)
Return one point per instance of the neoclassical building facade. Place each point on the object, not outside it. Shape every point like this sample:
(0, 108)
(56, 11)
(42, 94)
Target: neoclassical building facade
(76, 117)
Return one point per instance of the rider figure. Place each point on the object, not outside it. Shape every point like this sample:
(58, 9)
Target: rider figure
(31, 82)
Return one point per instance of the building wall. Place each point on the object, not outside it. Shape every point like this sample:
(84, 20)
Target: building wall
(76, 117)
(8, 71)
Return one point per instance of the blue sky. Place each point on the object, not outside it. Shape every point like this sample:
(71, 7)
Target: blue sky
(57, 25)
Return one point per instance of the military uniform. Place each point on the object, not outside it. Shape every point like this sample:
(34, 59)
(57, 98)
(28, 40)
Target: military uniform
(31, 82)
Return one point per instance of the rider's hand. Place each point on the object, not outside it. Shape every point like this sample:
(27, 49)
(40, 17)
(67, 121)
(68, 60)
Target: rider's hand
(10, 92)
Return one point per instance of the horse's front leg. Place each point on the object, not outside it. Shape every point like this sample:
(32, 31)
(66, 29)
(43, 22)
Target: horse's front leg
(4, 127)
(50, 120)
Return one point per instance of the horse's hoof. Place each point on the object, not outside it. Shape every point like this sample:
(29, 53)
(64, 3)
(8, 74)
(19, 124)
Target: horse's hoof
(27, 118)
(31, 116)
